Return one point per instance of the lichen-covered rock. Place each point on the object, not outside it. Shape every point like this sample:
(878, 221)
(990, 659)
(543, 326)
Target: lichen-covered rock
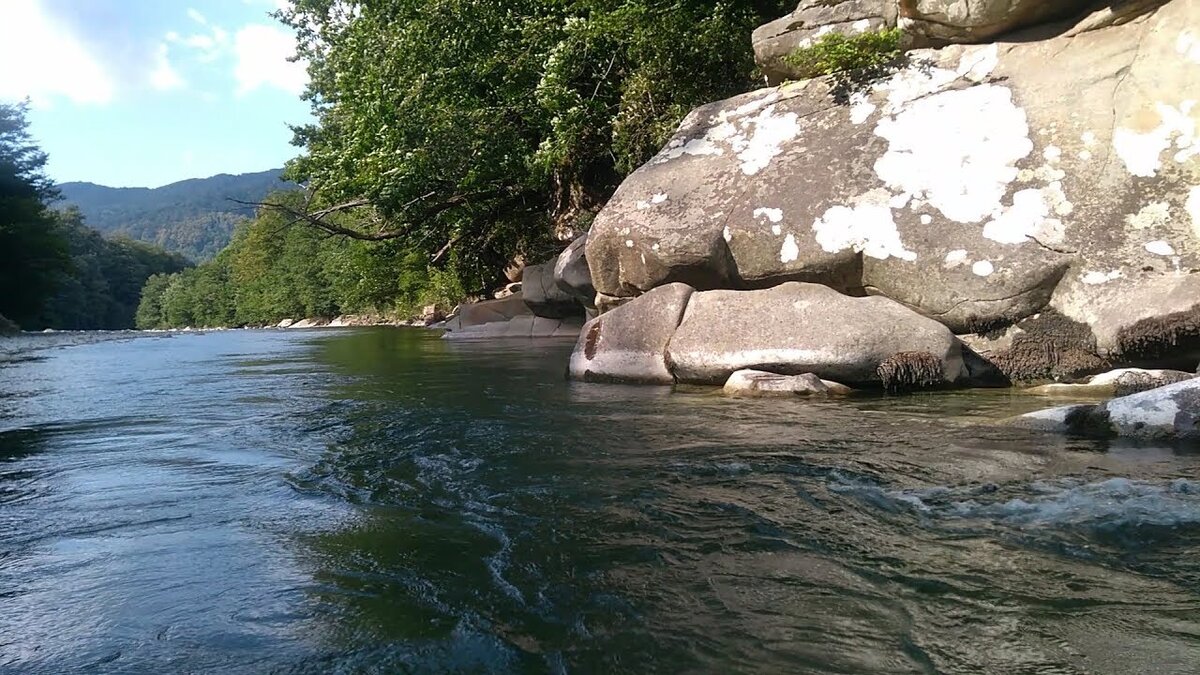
(544, 296)
(1166, 413)
(799, 328)
(811, 20)
(1050, 186)
(629, 343)
(762, 383)
(979, 20)
(572, 275)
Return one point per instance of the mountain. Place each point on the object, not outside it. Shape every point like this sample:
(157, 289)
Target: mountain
(194, 217)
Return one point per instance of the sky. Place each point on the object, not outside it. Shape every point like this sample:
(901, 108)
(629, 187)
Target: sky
(141, 93)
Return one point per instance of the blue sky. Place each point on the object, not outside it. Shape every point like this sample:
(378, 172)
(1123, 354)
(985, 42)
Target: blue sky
(149, 92)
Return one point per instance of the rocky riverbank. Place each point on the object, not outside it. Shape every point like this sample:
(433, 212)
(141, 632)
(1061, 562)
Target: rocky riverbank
(1015, 201)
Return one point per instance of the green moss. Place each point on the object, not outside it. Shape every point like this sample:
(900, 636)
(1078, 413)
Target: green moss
(835, 53)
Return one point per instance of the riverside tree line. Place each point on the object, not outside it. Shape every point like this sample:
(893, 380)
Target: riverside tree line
(452, 136)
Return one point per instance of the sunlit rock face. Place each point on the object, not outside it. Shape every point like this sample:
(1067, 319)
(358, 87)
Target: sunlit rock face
(1164, 413)
(1001, 187)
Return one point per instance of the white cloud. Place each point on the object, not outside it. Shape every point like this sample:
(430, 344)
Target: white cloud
(44, 61)
(196, 16)
(164, 77)
(262, 60)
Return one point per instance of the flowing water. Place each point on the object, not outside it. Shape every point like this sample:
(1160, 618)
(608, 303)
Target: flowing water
(381, 501)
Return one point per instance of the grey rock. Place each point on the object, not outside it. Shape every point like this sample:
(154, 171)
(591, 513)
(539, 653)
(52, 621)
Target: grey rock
(1166, 413)
(629, 343)
(1044, 194)
(762, 383)
(572, 275)
(1120, 382)
(797, 328)
(810, 20)
(486, 312)
(544, 296)
(8, 327)
(979, 20)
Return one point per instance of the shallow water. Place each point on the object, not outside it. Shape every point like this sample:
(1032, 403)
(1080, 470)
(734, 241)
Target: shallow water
(377, 500)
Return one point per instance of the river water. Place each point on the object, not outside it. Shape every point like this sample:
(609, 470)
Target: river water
(378, 500)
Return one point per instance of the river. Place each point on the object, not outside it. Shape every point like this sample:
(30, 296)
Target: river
(380, 501)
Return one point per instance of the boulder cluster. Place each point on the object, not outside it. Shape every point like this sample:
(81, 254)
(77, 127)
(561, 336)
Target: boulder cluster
(1015, 200)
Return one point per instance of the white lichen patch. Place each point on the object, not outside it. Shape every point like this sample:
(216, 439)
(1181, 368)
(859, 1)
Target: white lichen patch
(1028, 217)
(867, 227)
(1085, 155)
(1188, 45)
(955, 258)
(1096, 278)
(1159, 247)
(727, 234)
(1154, 214)
(1088, 138)
(789, 252)
(773, 215)
(776, 230)
(653, 201)
(757, 148)
(1141, 151)
(861, 107)
(983, 268)
(980, 135)
(1052, 153)
(861, 25)
(628, 243)
(926, 219)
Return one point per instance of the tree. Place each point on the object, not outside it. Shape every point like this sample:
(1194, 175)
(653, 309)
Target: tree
(470, 130)
(33, 251)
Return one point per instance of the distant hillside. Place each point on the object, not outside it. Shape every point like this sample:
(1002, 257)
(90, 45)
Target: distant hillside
(193, 217)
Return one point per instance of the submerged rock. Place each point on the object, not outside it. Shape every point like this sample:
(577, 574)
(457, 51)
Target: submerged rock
(1166, 413)
(761, 383)
(1121, 382)
(1043, 194)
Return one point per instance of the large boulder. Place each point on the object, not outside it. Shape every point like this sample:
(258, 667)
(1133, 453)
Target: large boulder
(544, 296)
(925, 23)
(488, 311)
(1166, 413)
(800, 328)
(1050, 189)
(572, 275)
(811, 20)
(629, 343)
(979, 20)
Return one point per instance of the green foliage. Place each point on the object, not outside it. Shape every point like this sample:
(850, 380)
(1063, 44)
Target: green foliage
(274, 269)
(478, 125)
(100, 288)
(836, 53)
(193, 217)
(33, 253)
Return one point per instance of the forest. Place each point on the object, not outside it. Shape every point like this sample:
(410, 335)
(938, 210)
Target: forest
(452, 137)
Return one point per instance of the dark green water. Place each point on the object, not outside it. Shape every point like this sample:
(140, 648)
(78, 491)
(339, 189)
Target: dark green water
(380, 501)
